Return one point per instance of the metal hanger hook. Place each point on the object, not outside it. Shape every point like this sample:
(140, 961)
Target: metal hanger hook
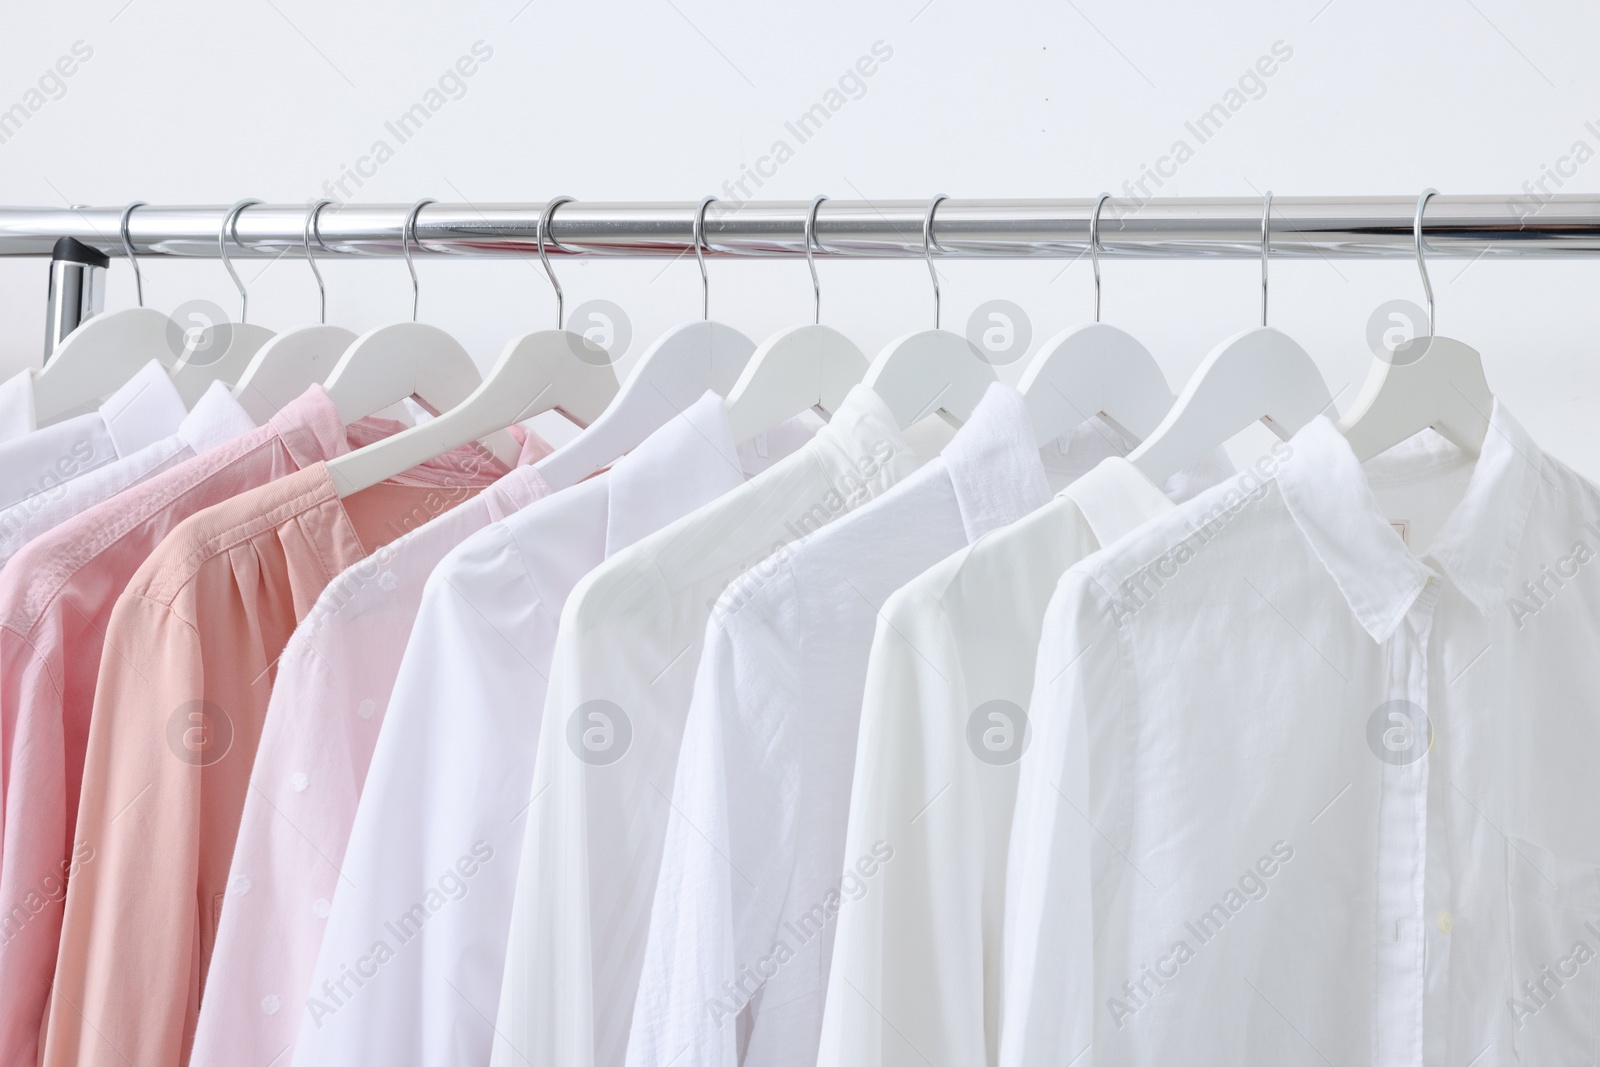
(230, 224)
(1094, 249)
(1266, 249)
(127, 249)
(700, 256)
(811, 264)
(544, 257)
(928, 245)
(311, 260)
(1422, 266)
(408, 234)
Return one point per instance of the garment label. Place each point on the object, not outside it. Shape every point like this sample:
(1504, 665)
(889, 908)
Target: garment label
(1403, 528)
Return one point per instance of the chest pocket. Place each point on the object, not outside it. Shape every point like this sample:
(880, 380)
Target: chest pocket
(1555, 954)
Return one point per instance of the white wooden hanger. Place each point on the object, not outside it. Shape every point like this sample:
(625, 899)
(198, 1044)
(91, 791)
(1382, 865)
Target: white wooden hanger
(541, 371)
(1259, 373)
(104, 353)
(1427, 382)
(221, 351)
(682, 365)
(802, 367)
(405, 359)
(933, 370)
(1095, 369)
(291, 362)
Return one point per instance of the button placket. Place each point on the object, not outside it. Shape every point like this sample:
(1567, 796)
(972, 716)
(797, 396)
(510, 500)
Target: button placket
(1401, 921)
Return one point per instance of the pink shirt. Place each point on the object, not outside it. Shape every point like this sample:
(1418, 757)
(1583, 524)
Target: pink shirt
(183, 688)
(328, 703)
(56, 596)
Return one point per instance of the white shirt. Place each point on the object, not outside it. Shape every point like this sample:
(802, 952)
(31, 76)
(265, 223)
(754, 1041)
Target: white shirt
(332, 687)
(216, 418)
(740, 931)
(943, 723)
(620, 686)
(143, 411)
(440, 820)
(16, 405)
(1312, 776)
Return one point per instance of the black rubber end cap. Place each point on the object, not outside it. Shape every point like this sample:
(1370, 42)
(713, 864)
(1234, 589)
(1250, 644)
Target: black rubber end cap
(72, 250)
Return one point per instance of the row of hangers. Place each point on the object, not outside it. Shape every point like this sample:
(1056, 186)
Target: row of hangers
(1092, 369)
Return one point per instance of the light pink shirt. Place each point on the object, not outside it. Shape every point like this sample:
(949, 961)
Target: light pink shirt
(56, 596)
(183, 688)
(328, 703)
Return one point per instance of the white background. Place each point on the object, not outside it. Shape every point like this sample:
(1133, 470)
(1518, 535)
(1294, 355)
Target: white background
(200, 102)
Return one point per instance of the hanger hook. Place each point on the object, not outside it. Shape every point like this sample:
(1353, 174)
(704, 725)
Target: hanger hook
(1094, 249)
(811, 238)
(127, 248)
(230, 224)
(700, 257)
(1422, 266)
(928, 245)
(408, 234)
(544, 257)
(1266, 248)
(311, 260)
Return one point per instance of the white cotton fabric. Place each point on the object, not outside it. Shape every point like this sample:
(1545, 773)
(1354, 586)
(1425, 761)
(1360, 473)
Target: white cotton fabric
(916, 970)
(1312, 772)
(216, 418)
(332, 688)
(16, 406)
(620, 687)
(142, 412)
(743, 920)
(441, 816)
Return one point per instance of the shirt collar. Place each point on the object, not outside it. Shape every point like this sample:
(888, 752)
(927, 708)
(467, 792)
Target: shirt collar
(994, 464)
(146, 409)
(1328, 496)
(216, 419)
(16, 405)
(1477, 546)
(862, 431)
(1115, 497)
(689, 461)
(310, 428)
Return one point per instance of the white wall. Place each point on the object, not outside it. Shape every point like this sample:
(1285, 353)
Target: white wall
(191, 102)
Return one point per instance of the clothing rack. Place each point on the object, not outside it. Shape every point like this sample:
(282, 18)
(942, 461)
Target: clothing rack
(1227, 227)
(1533, 224)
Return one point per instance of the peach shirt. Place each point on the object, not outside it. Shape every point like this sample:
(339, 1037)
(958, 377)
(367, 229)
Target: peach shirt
(191, 653)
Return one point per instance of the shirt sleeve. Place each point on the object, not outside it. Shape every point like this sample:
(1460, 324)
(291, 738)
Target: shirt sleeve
(905, 953)
(714, 937)
(127, 982)
(1079, 685)
(37, 859)
(283, 869)
(410, 963)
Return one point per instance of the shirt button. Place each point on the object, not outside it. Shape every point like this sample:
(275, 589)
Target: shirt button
(1445, 922)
